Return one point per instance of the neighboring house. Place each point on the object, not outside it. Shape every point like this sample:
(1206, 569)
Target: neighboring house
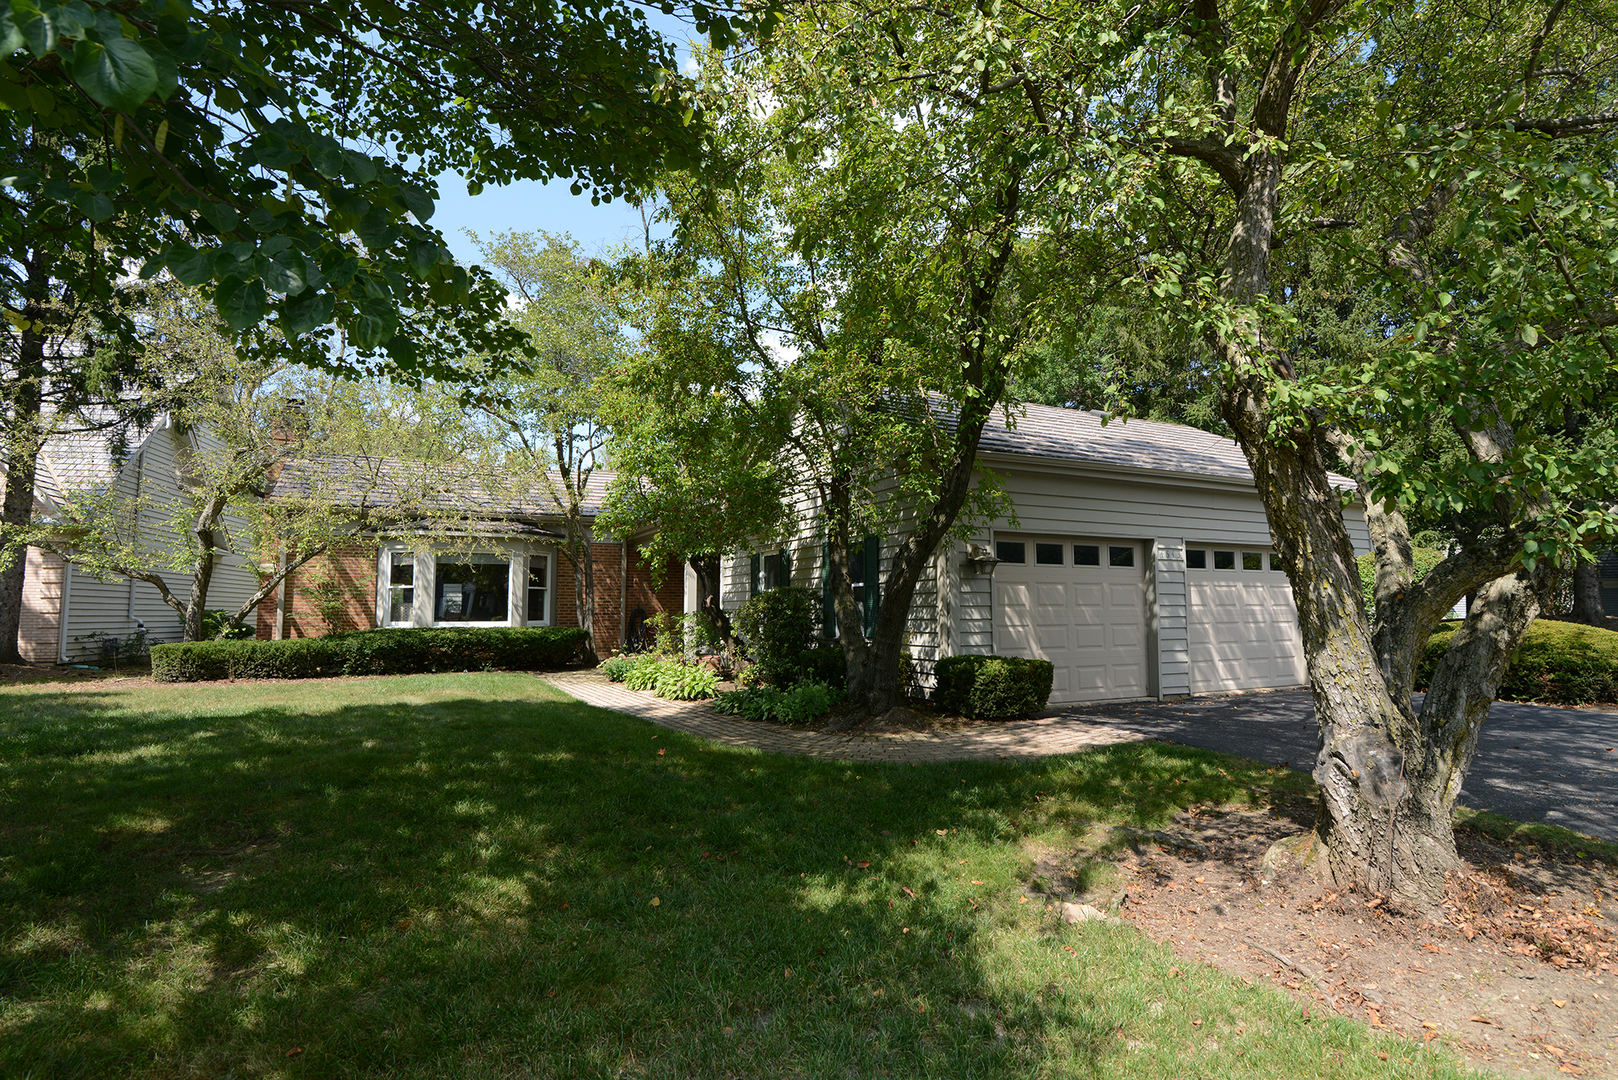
(498, 563)
(1607, 572)
(67, 614)
(1137, 560)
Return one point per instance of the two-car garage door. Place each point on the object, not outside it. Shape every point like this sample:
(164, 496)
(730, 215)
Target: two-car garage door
(1081, 604)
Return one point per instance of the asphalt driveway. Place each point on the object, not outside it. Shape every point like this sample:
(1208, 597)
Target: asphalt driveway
(1534, 763)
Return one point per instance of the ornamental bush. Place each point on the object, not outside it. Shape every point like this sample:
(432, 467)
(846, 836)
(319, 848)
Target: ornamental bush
(1558, 663)
(985, 687)
(616, 667)
(805, 701)
(777, 629)
(371, 652)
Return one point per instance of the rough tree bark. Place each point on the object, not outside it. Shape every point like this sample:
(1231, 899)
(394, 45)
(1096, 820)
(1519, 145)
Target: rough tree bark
(1587, 606)
(1387, 777)
(23, 444)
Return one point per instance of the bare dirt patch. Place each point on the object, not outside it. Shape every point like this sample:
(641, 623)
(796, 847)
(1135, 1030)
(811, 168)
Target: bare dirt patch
(1522, 977)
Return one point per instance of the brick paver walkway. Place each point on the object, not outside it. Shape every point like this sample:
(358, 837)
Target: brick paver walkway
(1043, 737)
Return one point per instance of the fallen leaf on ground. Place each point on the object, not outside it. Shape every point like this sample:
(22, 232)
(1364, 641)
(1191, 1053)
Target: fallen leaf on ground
(1559, 1004)
(660, 753)
(906, 890)
(657, 901)
(863, 865)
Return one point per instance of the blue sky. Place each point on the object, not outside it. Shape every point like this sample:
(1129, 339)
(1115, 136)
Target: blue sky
(530, 206)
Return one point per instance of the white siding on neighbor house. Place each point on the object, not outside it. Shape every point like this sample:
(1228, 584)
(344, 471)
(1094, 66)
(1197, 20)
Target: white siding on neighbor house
(120, 606)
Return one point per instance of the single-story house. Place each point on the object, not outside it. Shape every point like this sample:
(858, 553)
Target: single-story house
(485, 561)
(67, 614)
(1137, 559)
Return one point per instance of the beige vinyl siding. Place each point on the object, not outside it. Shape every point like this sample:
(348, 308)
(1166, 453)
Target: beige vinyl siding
(117, 607)
(806, 544)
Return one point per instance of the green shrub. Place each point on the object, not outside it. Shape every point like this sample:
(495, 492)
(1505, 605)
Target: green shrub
(805, 701)
(684, 682)
(993, 686)
(198, 661)
(371, 652)
(616, 667)
(1422, 561)
(1558, 663)
(673, 679)
(642, 672)
(777, 629)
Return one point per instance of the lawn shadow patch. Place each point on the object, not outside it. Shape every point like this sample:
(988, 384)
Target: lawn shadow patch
(472, 875)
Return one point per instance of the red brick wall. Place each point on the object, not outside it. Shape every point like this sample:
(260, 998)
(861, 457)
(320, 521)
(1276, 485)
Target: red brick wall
(355, 570)
(346, 575)
(39, 633)
(610, 593)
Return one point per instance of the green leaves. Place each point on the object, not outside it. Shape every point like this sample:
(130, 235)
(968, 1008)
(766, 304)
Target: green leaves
(119, 74)
(240, 303)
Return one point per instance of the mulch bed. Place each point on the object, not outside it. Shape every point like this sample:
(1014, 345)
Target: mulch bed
(1522, 975)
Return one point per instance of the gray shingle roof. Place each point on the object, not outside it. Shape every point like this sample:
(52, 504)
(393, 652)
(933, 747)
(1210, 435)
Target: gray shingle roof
(394, 482)
(1079, 435)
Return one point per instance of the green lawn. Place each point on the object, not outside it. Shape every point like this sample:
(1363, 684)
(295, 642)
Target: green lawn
(472, 875)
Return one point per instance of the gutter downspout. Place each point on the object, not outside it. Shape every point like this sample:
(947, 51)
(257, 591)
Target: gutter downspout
(623, 594)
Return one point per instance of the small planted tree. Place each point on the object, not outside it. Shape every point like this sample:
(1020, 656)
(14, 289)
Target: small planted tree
(368, 454)
(549, 405)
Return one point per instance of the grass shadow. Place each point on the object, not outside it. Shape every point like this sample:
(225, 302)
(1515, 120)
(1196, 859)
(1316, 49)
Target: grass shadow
(471, 875)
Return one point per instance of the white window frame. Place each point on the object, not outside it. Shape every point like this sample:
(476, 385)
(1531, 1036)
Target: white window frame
(511, 558)
(384, 585)
(549, 555)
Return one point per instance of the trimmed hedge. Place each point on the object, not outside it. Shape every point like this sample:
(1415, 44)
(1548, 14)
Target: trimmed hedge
(371, 652)
(1558, 663)
(984, 687)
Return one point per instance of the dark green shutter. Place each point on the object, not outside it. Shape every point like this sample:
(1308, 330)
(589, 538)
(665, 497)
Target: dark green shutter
(786, 568)
(753, 589)
(828, 599)
(873, 582)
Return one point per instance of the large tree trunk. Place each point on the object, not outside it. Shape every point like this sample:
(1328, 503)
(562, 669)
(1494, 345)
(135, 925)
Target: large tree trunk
(584, 585)
(706, 567)
(1587, 594)
(21, 465)
(22, 461)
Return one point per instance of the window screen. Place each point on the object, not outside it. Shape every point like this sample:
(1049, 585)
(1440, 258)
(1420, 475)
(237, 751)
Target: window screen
(401, 585)
(1048, 554)
(1012, 551)
(1196, 559)
(1086, 555)
(1224, 560)
(1120, 556)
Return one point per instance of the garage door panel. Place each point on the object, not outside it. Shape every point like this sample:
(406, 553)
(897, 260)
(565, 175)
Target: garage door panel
(1243, 631)
(1051, 639)
(1088, 621)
